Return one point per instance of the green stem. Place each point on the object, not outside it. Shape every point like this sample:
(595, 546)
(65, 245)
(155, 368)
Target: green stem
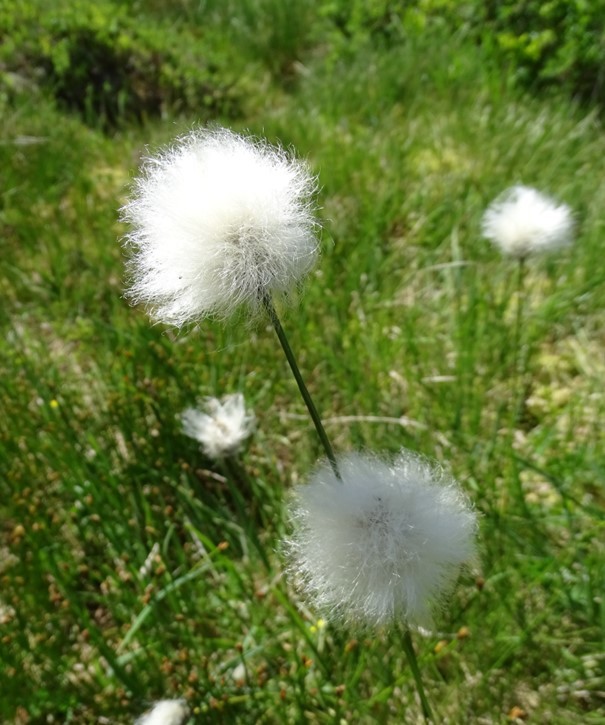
(413, 662)
(301, 384)
(520, 372)
(519, 353)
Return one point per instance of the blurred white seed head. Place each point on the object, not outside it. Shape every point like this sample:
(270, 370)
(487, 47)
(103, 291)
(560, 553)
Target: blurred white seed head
(522, 221)
(165, 712)
(222, 427)
(217, 221)
(386, 543)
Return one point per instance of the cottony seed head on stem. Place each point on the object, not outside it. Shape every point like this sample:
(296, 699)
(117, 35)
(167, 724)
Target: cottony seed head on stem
(222, 427)
(384, 544)
(218, 221)
(523, 221)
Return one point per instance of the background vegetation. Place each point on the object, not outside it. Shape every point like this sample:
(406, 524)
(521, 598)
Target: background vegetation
(414, 115)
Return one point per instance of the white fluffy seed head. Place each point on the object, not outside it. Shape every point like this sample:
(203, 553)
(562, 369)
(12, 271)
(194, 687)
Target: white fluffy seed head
(386, 543)
(165, 712)
(218, 220)
(522, 221)
(222, 428)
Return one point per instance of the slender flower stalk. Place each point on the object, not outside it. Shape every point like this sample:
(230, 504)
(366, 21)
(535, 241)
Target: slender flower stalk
(410, 653)
(521, 352)
(281, 335)
(519, 346)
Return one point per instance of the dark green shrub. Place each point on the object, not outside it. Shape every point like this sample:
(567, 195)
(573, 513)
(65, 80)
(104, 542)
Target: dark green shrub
(553, 42)
(111, 66)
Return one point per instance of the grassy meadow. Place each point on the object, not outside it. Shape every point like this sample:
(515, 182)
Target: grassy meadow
(407, 334)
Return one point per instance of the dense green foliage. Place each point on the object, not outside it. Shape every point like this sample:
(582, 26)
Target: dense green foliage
(543, 42)
(554, 42)
(406, 333)
(113, 61)
(112, 65)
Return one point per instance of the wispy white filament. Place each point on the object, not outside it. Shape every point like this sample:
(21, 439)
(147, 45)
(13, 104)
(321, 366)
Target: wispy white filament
(218, 220)
(146, 568)
(165, 712)
(384, 544)
(522, 221)
(222, 427)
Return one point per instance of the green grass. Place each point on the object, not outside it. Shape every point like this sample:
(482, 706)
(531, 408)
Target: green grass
(409, 318)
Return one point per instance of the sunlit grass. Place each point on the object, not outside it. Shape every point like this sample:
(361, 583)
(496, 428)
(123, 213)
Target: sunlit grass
(404, 333)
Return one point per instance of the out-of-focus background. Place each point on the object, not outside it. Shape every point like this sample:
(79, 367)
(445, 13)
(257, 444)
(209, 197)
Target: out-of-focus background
(131, 567)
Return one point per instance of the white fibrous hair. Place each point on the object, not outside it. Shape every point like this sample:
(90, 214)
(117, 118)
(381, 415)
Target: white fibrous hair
(222, 427)
(217, 221)
(165, 712)
(522, 221)
(383, 545)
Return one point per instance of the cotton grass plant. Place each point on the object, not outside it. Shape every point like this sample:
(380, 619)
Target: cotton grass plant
(222, 427)
(382, 544)
(522, 222)
(220, 222)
